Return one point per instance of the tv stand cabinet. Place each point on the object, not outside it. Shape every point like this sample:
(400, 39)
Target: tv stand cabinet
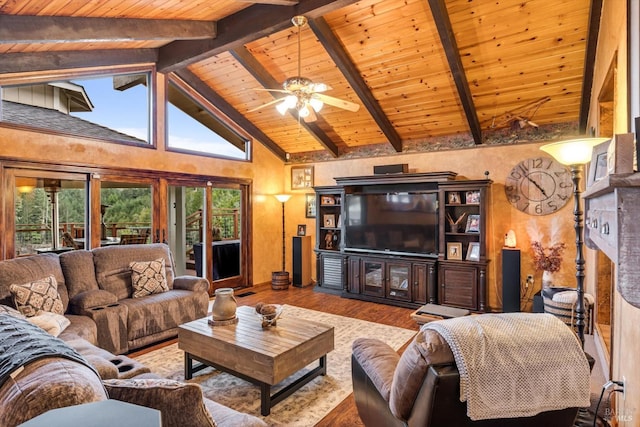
(456, 276)
(402, 281)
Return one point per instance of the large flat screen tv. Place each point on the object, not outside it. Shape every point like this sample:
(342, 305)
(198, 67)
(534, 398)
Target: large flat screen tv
(392, 222)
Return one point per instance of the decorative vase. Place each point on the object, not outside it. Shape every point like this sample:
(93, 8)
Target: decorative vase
(224, 305)
(547, 279)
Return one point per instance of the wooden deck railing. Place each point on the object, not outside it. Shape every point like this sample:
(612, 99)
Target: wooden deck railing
(33, 236)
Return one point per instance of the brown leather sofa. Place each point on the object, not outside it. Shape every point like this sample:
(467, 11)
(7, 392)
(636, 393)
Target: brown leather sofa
(421, 388)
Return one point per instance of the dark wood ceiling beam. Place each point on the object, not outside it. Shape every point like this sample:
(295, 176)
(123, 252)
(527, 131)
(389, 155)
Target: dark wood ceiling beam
(248, 61)
(448, 39)
(336, 50)
(589, 63)
(220, 103)
(249, 24)
(61, 60)
(278, 2)
(66, 29)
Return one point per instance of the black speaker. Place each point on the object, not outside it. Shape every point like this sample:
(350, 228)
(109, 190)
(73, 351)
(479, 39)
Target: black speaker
(301, 261)
(387, 169)
(510, 280)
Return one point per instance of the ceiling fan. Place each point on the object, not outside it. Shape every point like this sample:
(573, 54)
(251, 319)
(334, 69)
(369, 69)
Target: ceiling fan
(302, 94)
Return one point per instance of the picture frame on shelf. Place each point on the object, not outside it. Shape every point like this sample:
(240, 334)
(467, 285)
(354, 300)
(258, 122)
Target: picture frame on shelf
(454, 250)
(302, 230)
(301, 177)
(473, 251)
(329, 220)
(472, 197)
(327, 200)
(473, 224)
(453, 198)
(310, 205)
(598, 164)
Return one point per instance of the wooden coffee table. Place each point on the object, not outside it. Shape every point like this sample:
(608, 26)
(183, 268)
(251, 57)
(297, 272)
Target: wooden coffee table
(261, 356)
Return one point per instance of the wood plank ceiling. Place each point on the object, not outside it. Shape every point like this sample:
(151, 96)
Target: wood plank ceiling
(420, 69)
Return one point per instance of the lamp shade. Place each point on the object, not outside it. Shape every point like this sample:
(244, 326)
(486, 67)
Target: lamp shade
(574, 151)
(282, 197)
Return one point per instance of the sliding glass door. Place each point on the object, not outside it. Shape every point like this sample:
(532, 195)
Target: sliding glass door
(208, 231)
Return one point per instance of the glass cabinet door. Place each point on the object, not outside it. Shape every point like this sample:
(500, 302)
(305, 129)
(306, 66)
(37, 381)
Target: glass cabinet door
(399, 280)
(373, 278)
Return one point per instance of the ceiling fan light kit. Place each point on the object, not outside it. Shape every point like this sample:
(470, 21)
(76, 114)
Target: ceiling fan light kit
(303, 95)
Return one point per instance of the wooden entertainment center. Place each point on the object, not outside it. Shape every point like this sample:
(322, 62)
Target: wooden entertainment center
(404, 239)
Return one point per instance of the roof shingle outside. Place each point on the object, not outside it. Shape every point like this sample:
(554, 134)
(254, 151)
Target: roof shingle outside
(45, 118)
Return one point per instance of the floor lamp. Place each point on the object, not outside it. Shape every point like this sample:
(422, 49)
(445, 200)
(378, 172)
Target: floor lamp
(280, 279)
(576, 153)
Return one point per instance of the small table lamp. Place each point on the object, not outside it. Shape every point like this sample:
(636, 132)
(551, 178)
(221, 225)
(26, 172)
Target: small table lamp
(576, 153)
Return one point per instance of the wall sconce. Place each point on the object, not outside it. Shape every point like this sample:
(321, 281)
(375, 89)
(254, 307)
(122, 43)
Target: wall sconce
(510, 239)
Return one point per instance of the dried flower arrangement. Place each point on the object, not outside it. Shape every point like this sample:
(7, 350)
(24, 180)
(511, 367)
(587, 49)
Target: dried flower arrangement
(547, 259)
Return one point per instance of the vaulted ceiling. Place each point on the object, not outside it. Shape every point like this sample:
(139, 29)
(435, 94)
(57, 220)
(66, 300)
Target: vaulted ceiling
(419, 69)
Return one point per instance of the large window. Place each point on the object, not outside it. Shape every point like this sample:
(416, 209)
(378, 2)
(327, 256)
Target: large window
(126, 213)
(112, 107)
(193, 127)
(50, 213)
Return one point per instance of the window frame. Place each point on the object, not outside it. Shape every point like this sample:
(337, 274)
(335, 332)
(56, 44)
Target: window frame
(216, 113)
(66, 75)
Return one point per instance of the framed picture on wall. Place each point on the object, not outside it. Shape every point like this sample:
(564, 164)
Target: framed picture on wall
(301, 177)
(310, 205)
(302, 229)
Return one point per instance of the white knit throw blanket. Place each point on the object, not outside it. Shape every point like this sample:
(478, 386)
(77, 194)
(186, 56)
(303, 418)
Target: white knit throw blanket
(516, 364)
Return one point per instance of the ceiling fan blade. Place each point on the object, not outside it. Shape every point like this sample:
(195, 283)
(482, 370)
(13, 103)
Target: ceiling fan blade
(275, 101)
(340, 103)
(320, 87)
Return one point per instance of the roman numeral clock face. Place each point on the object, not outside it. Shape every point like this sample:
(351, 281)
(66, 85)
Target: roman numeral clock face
(539, 186)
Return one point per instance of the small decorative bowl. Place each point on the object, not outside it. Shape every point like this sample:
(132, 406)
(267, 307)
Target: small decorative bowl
(271, 319)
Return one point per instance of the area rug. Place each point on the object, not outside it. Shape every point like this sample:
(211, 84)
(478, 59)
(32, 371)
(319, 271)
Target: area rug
(306, 406)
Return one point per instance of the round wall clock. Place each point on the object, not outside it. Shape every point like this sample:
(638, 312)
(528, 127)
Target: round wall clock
(539, 186)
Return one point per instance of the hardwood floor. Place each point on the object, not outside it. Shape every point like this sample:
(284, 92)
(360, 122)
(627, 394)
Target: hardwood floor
(345, 414)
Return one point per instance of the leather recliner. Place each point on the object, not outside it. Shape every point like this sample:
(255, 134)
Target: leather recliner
(426, 387)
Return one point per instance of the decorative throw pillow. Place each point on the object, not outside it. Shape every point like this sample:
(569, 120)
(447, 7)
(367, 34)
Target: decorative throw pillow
(53, 323)
(181, 404)
(40, 295)
(148, 277)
